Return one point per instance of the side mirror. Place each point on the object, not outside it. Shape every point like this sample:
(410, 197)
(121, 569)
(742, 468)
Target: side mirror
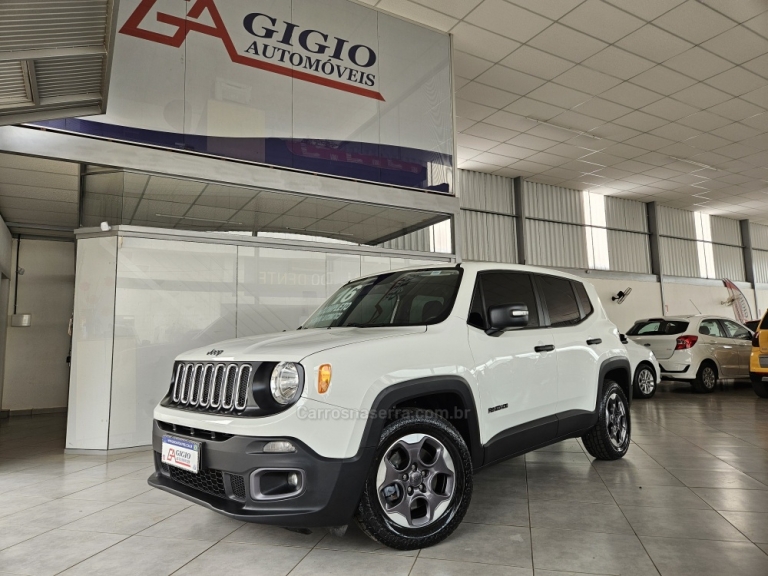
(506, 316)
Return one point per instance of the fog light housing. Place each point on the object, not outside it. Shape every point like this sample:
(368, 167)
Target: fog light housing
(277, 483)
(279, 447)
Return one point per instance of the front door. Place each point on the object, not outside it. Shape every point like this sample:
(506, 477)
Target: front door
(517, 369)
(741, 340)
(717, 346)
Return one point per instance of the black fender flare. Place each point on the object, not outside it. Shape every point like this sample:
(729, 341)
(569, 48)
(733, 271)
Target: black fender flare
(609, 365)
(402, 392)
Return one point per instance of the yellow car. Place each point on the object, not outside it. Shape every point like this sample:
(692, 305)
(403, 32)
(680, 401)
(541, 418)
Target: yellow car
(758, 359)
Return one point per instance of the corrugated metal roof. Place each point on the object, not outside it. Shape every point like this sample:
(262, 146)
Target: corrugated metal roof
(52, 58)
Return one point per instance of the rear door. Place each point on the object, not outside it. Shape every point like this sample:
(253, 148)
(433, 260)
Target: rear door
(741, 339)
(713, 341)
(578, 345)
(517, 369)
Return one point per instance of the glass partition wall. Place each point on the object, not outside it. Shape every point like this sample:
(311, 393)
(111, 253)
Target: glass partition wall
(188, 264)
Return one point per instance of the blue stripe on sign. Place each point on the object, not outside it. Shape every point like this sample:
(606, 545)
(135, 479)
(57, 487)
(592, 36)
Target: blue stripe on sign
(382, 163)
(179, 442)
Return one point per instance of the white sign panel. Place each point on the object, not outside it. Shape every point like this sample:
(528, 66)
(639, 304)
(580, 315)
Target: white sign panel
(329, 86)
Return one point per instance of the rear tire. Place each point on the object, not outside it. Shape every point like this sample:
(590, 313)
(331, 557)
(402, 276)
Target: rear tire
(644, 382)
(609, 439)
(706, 378)
(760, 387)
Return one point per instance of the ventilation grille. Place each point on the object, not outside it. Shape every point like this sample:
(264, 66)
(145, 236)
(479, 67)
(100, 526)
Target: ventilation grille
(13, 88)
(66, 76)
(208, 481)
(212, 387)
(35, 24)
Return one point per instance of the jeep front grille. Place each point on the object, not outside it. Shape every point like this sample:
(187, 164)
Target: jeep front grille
(211, 387)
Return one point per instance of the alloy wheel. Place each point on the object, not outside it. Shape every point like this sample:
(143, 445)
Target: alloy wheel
(616, 419)
(646, 381)
(415, 480)
(708, 377)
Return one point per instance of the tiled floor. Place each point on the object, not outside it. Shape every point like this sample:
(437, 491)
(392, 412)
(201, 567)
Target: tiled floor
(690, 497)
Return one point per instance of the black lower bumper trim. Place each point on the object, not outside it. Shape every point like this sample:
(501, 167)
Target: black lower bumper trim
(331, 491)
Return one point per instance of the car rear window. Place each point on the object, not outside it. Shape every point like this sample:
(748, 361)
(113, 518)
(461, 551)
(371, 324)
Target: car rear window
(658, 328)
(764, 323)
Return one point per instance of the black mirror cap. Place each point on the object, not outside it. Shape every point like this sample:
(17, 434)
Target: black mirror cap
(507, 316)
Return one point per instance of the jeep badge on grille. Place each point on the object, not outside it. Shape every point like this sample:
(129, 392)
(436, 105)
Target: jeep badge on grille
(215, 353)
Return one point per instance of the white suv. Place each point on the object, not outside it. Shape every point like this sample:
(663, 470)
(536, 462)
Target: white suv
(698, 349)
(385, 401)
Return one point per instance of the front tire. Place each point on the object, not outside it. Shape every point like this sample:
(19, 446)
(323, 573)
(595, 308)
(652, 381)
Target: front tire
(420, 484)
(760, 387)
(706, 378)
(609, 438)
(644, 383)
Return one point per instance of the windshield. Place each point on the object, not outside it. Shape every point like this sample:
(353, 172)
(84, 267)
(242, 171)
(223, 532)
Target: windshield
(407, 298)
(658, 328)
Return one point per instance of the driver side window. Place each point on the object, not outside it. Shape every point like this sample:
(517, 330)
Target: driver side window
(736, 331)
(499, 289)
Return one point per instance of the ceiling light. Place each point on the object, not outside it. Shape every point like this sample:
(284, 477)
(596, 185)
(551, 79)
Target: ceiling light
(579, 132)
(707, 166)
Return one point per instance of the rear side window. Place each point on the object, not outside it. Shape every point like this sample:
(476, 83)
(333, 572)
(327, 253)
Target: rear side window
(658, 328)
(504, 288)
(560, 299)
(710, 328)
(586, 303)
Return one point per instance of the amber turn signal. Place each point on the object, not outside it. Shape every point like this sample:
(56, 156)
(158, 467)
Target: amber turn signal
(323, 378)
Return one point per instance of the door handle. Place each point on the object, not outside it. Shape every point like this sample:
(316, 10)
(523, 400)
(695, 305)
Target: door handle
(545, 348)
(594, 341)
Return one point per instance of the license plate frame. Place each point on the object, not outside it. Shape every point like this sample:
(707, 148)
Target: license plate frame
(181, 453)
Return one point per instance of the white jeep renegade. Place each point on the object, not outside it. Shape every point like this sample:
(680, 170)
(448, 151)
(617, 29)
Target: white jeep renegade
(384, 403)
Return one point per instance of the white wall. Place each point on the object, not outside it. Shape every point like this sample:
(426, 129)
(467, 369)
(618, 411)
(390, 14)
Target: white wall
(36, 371)
(695, 299)
(644, 301)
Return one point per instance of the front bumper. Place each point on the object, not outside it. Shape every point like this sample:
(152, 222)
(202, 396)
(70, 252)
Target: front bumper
(331, 489)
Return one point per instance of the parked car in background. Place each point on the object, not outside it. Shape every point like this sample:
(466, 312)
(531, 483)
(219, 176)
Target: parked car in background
(646, 374)
(699, 349)
(758, 360)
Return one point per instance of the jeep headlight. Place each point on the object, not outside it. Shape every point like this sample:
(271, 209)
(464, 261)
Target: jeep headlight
(286, 382)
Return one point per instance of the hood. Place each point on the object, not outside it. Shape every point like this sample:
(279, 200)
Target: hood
(295, 345)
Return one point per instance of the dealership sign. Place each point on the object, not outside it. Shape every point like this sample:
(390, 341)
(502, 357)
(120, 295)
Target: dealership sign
(283, 48)
(325, 86)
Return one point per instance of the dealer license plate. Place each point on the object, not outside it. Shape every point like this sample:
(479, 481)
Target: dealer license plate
(181, 453)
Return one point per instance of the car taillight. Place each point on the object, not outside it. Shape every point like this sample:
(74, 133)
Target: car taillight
(685, 342)
(756, 340)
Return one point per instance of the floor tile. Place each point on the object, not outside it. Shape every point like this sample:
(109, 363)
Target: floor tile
(116, 490)
(54, 551)
(657, 496)
(429, 567)
(355, 541)
(566, 489)
(274, 536)
(705, 557)
(139, 555)
(332, 562)
(579, 516)
(732, 499)
(193, 523)
(506, 545)
(590, 552)
(53, 514)
(489, 508)
(680, 523)
(638, 476)
(244, 560)
(124, 518)
(716, 479)
(754, 525)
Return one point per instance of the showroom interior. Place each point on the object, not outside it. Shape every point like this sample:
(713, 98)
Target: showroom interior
(165, 185)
